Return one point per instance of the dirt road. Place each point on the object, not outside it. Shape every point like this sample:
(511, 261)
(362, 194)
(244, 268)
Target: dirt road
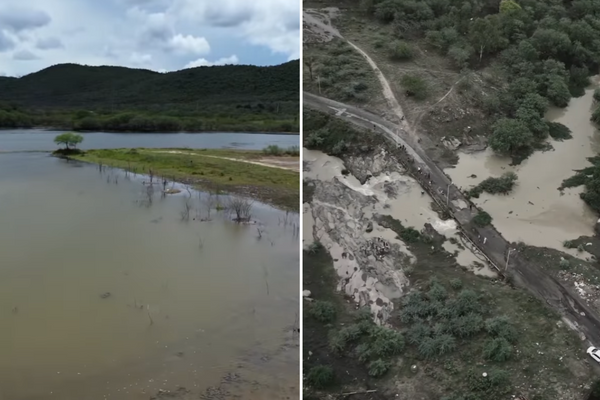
(292, 164)
(489, 241)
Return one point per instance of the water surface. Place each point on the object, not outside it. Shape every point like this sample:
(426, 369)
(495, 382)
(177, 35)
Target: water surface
(190, 302)
(35, 139)
(536, 212)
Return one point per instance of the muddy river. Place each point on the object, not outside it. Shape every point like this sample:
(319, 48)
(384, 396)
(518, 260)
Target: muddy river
(536, 212)
(104, 295)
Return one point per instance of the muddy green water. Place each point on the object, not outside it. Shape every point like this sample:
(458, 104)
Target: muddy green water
(67, 236)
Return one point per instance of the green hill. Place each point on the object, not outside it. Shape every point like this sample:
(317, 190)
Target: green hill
(232, 97)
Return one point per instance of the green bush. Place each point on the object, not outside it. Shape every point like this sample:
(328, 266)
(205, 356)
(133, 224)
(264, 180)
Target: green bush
(378, 368)
(558, 131)
(320, 377)
(597, 94)
(501, 185)
(273, 150)
(322, 311)
(414, 86)
(417, 333)
(401, 51)
(385, 342)
(437, 292)
(596, 115)
(467, 325)
(482, 219)
(456, 284)
(498, 349)
(502, 328)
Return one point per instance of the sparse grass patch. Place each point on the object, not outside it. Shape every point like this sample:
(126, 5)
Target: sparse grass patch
(401, 51)
(205, 169)
(337, 71)
(274, 150)
(414, 86)
(320, 377)
(322, 311)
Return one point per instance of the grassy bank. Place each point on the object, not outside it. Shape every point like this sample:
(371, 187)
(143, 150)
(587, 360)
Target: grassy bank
(209, 169)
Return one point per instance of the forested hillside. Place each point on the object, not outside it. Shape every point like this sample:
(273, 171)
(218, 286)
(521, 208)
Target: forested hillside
(232, 97)
(543, 51)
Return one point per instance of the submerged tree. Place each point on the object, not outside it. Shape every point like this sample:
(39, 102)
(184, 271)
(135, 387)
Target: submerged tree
(241, 207)
(69, 139)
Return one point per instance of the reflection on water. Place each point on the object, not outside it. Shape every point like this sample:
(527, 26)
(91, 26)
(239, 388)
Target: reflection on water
(535, 211)
(101, 296)
(35, 139)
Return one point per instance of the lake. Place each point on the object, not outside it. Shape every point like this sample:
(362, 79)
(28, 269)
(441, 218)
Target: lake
(105, 292)
(33, 139)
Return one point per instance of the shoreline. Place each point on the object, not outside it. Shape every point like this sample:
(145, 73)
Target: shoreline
(208, 170)
(58, 129)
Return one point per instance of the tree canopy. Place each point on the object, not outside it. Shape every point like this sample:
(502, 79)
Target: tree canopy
(68, 139)
(543, 49)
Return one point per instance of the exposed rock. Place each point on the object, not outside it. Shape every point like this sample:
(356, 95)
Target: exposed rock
(451, 143)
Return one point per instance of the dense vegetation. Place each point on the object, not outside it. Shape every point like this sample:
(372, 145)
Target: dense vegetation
(84, 98)
(543, 51)
(590, 178)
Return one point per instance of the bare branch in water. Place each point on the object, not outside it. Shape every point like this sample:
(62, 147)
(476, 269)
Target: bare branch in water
(241, 207)
(266, 276)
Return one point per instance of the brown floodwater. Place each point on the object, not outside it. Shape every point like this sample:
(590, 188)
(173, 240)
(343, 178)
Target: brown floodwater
(410, 205)
(192, 304)
(535, 212)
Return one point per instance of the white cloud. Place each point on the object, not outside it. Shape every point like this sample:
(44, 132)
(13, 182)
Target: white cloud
(189, 44)
(155, 34)
(202, 62)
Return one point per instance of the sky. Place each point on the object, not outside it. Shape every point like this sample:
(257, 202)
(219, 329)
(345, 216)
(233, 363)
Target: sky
(161, 35)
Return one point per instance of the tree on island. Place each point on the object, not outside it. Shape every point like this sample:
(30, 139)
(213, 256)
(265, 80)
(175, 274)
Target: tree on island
(69, 139)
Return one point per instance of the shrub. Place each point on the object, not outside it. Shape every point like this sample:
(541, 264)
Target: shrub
(467, 302)
(414, 86)
(498, 349)
(322, 311)
(445, 344)
(320, 377)
(597, 94)
(502, 185)
(437, 292)
(456, 284)
(558, 131)
(596, 115)
(428, 347)
(378, 368)
(482, 219)
(400, 50)
(385, 342)
(502, 328)
(467, 325)
(417, 333)
(273, 150)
